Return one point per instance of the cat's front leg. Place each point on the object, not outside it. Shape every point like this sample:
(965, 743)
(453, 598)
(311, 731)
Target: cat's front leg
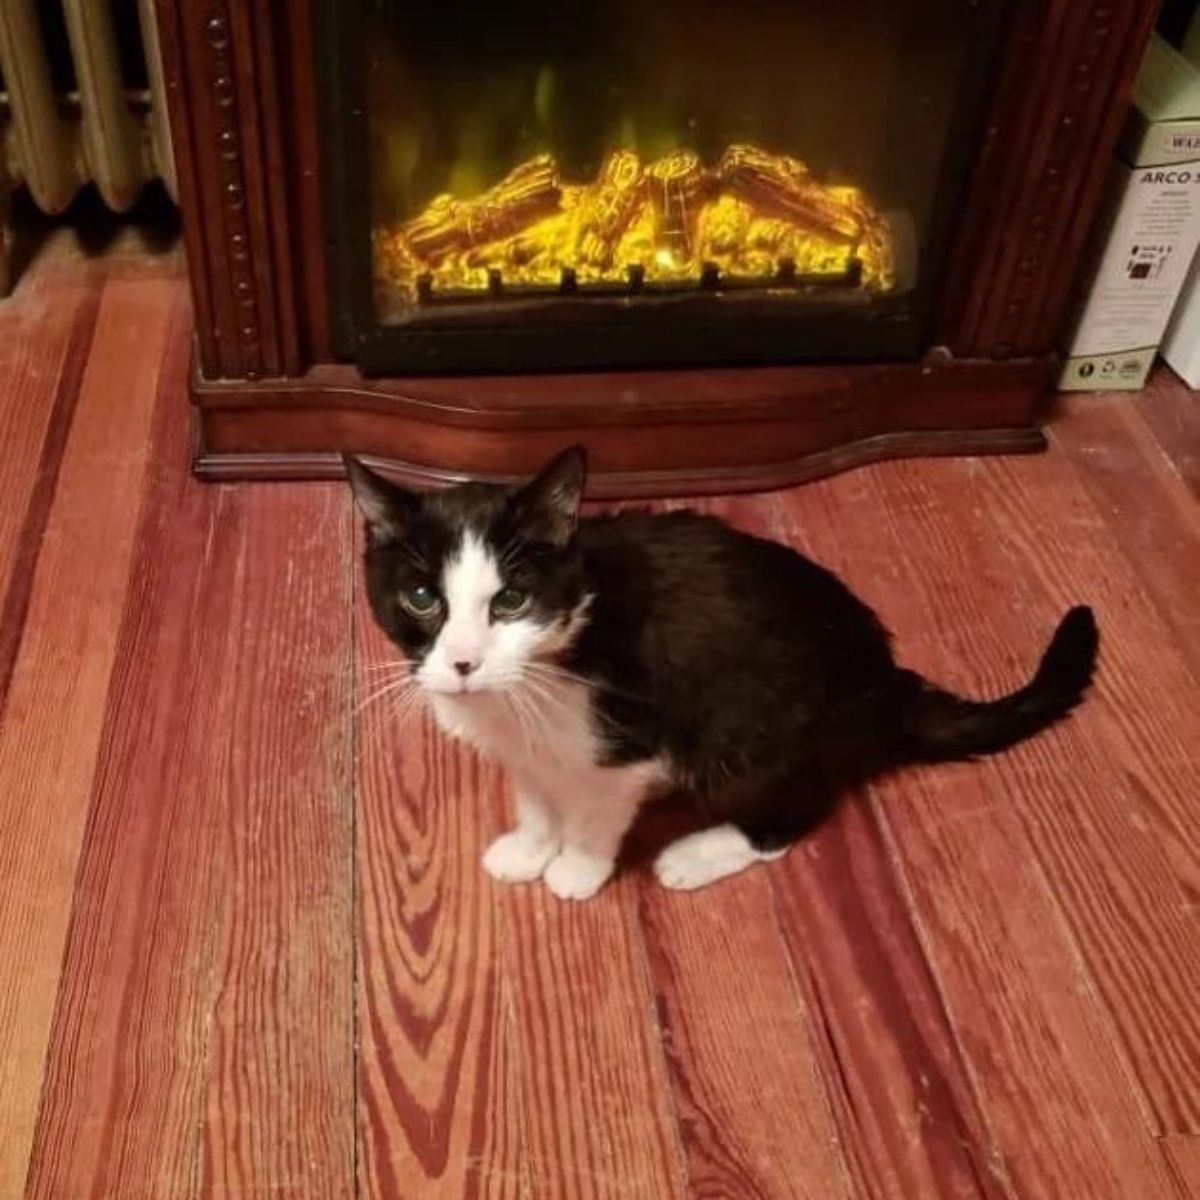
(523, 853)
(595, 819)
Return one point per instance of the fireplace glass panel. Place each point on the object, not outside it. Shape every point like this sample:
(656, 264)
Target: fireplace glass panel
(790, 152)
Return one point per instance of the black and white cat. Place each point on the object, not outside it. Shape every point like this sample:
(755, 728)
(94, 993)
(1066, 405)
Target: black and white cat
(602, 658)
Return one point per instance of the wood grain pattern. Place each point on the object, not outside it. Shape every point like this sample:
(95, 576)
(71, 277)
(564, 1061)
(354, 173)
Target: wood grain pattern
(208, 314)
(438, 1113)
(1039, 1047)
(1104, 836)
(599, 1118)
(1019, 999)
(1172, 412)
(278, 1112)
(302, 153)
(56, 701)
(222, 87)
(753, 1112)
(36, 329)
(1145, 673)
(492, 1063)
(45, 334)
(696, 459)
(906, 1115)
(905, 1109)
(1062, 90)
(136, 970)
(212, 940)
(1132, 794)
(1150, 512)
(1183, 1160)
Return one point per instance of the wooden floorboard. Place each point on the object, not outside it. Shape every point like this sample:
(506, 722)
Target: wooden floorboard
(247, 949)
(1149, 511)
(44, 344)
(438, 1109)
(136, 973)
(1106, 857)
(203, 1044)
(1183, 1161)
(278, 1095)
(55, 707)
(754, 1116)
(906, 1115)
(1040, 1048)
(1172, 413)
(599, 1120)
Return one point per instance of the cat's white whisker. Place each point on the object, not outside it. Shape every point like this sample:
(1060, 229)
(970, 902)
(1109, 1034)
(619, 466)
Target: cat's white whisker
(405, 705)
(556, 713)
(392, 687)
(521, 710)
(390, 668)
(555, 671)
(548, 695)
(563, 702)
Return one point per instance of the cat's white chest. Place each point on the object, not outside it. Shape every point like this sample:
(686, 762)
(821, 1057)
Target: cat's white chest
(540, 732)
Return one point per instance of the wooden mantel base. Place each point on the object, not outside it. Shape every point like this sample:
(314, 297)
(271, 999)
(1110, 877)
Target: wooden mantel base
(647, 433)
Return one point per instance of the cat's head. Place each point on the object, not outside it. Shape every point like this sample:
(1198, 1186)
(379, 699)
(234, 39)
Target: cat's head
(479, 583)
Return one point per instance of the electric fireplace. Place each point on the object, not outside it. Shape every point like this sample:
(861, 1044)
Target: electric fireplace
(722, 245)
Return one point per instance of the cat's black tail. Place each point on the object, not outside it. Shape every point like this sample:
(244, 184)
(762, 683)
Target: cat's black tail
(939, 726)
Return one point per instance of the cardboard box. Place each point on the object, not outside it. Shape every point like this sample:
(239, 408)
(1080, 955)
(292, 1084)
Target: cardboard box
(1181, 343)
(1152, 232)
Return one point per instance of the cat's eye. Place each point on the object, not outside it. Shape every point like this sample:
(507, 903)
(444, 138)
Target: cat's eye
(510, 602)
(421, 600)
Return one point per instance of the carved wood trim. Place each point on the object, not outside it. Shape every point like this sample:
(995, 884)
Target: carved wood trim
(235, 129)
(646, 433)
(1062, 92)
(648, 484)
(228, 119)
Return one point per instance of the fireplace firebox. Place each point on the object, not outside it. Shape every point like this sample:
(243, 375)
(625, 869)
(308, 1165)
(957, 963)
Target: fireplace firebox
(629, 184)
(722, 245)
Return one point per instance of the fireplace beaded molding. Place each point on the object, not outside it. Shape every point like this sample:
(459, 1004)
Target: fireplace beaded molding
(726, 308)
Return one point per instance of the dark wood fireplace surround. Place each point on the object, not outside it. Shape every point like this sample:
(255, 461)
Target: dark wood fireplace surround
(271, 401)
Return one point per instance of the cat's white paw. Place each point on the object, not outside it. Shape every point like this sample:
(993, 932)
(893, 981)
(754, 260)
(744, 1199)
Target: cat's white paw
(704, 857)
(576, 875)
(517, 857)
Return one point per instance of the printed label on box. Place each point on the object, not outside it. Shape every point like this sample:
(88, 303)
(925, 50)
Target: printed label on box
(1123, 372)
(1148, 255)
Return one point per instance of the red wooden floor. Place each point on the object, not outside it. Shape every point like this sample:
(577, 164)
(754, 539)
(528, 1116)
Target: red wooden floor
(246, 948)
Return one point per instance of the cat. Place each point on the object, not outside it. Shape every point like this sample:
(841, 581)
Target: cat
(603, 658)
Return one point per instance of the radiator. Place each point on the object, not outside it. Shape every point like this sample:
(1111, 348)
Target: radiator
(99, 126)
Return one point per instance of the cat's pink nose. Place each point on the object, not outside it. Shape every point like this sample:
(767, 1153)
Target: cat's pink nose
(464, 667)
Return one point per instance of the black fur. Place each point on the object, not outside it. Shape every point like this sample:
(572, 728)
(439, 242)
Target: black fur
(765, 682)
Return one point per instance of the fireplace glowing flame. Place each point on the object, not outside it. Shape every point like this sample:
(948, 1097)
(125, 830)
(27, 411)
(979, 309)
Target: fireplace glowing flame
(754, 219)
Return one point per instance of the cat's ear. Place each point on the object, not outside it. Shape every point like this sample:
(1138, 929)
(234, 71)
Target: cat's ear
(386, 507)
(548, 505)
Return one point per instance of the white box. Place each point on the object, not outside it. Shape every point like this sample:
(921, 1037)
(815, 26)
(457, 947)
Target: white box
(1181, 343)
(1153, 232)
